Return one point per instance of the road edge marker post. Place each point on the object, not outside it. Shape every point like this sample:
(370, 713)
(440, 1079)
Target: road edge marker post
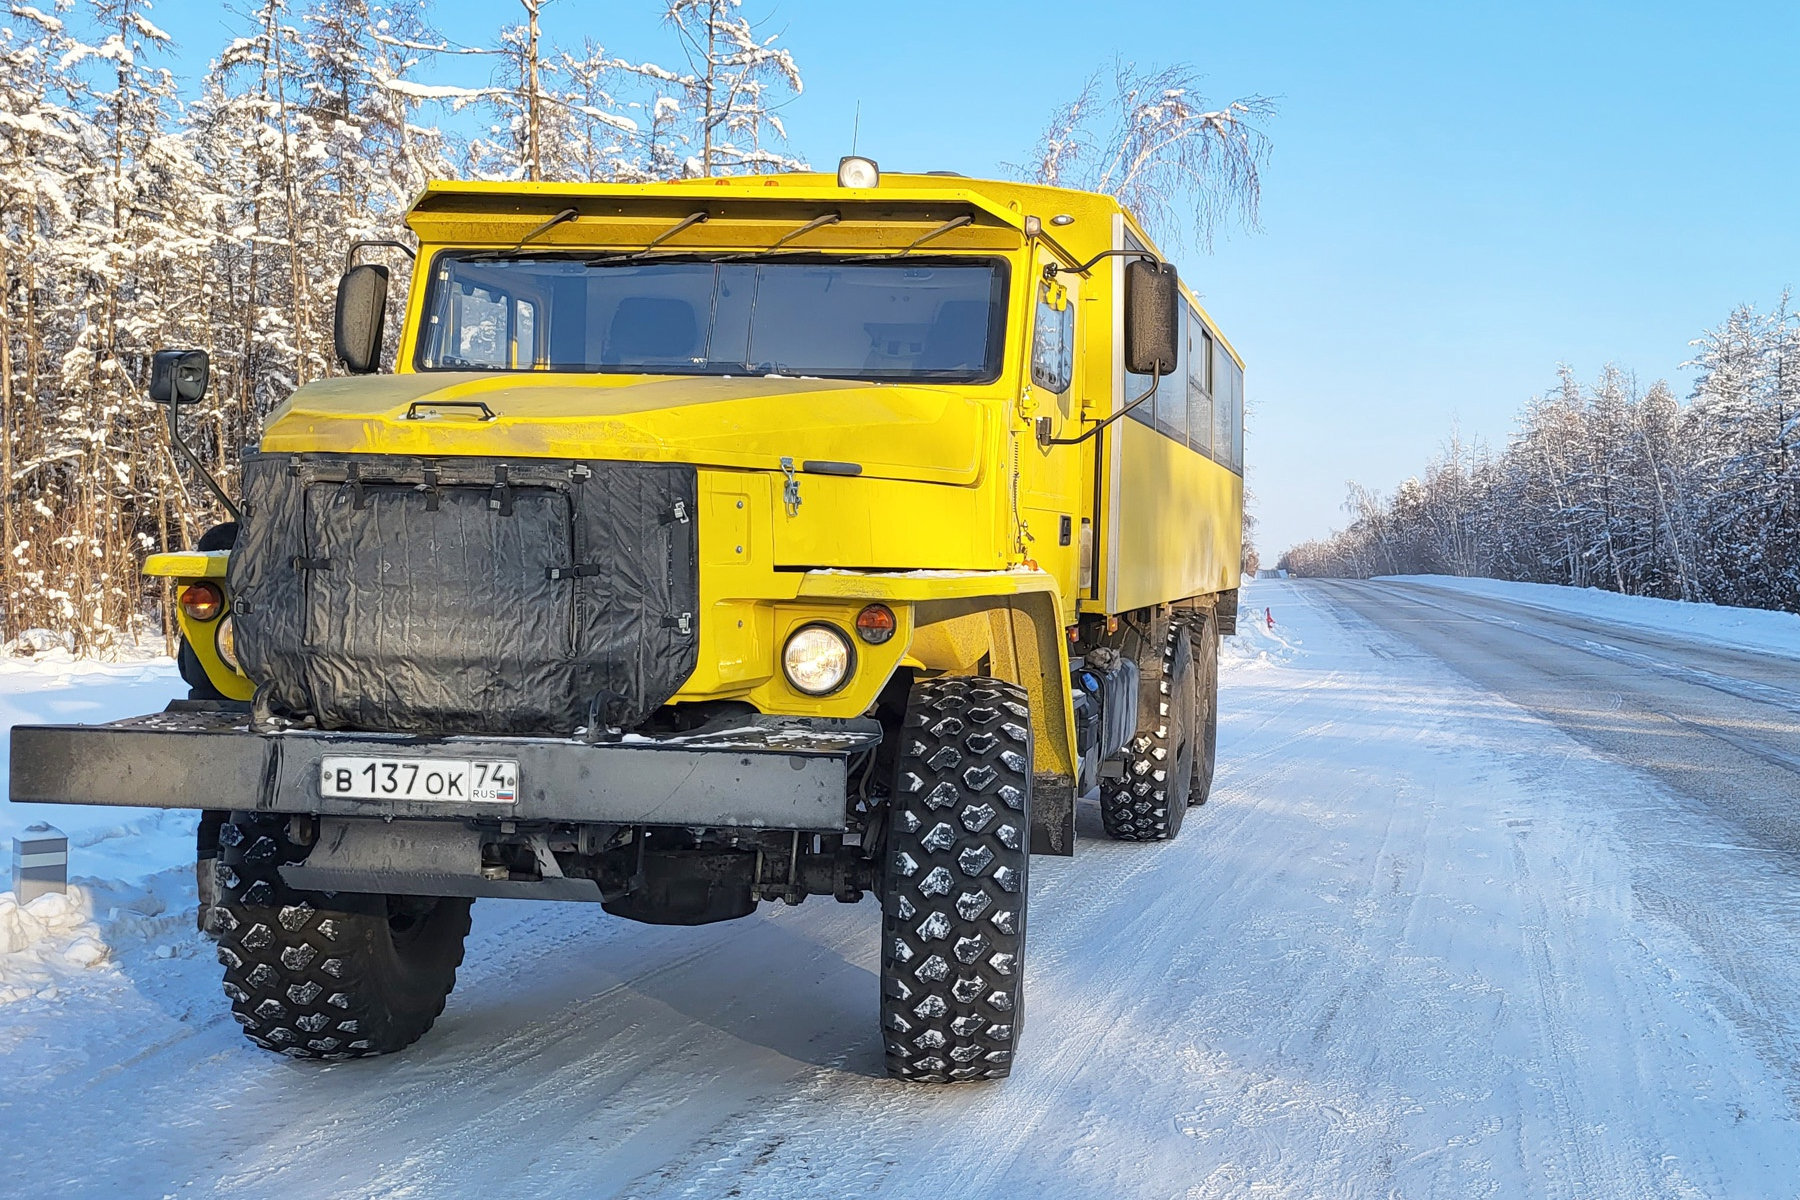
(40, 863)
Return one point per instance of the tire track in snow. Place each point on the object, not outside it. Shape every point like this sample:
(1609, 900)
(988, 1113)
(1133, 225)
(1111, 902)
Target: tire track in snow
(1586, 1171)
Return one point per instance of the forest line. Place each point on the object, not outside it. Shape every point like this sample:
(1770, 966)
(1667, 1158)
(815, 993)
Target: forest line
(1614, 486)
(135, 216)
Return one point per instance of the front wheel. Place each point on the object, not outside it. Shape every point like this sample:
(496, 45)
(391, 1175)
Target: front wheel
(954, 882)
(316, 975)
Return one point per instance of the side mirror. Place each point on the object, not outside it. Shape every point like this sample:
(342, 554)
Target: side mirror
(178, 376)
(361, 313)
(1152, 318)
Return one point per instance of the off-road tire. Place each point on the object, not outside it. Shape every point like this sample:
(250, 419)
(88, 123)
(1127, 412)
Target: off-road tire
(953, 889)
(1203, 631)
(327, 975)
(200, 685)
(1147, 802)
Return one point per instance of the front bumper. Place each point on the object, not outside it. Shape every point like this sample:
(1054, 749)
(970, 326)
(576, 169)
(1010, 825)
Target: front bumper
(760, 772)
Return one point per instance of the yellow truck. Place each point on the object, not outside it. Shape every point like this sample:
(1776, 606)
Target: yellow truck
(708, 544)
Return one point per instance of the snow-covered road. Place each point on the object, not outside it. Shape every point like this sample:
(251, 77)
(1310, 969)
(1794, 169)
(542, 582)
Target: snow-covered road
(1423, 942)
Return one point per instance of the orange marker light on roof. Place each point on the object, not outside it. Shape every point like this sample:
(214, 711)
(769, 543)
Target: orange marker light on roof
(876, 624)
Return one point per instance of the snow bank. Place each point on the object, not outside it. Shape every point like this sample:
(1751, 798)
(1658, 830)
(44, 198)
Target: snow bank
(43, 941)
(1257, 644)
(60, 946)
(1740, 628)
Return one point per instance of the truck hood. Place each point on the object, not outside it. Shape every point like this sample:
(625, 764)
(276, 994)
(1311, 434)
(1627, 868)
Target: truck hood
(893, 431)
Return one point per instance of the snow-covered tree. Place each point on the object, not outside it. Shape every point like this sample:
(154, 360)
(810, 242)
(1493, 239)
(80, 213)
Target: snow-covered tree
(1151, 138)
(734, 83)
(130, 221)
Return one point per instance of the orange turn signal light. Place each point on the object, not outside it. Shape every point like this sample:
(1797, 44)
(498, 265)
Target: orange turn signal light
(876, 624)
(202, 601)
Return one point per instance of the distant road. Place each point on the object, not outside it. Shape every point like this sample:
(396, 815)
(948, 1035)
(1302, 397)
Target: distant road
(1718, 726)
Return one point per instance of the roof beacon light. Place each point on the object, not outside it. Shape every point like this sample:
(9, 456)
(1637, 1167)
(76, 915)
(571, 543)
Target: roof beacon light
(854, 172)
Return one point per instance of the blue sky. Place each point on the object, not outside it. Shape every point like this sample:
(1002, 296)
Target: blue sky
(1461, 196)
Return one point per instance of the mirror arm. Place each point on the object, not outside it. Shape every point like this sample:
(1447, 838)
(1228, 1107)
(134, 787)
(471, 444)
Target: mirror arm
(194, 461)
(1051, 270)
(355, 247)
(1043, 424)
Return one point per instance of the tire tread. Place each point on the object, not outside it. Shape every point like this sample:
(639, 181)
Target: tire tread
(311, 975)
(954, 882)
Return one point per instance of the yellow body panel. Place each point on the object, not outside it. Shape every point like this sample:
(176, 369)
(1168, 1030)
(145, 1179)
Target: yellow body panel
(920, 586)
(930, 434)
(187, 564)
(1186, 538)
(936, 500)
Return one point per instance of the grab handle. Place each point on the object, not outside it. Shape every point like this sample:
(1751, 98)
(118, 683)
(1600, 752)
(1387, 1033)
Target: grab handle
(412, 410)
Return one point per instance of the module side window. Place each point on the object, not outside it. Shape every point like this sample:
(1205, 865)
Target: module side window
(1171, 399)
(1199, 383)
(1135, 387)
(1237, 418)
(1222, 422)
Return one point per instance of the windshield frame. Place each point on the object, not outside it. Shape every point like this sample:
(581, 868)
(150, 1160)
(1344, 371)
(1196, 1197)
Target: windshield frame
(1000, 304)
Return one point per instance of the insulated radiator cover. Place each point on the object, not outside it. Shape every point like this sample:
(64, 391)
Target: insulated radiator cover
(465, 595)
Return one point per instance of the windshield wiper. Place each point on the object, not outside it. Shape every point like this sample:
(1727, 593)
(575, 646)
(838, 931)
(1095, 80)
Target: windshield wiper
(940, 231)
(687, 222)
(928, 235)
(816, 223)
(567, 214)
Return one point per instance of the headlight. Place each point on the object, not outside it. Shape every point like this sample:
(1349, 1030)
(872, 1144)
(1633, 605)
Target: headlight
(817, 659)
(226, 644)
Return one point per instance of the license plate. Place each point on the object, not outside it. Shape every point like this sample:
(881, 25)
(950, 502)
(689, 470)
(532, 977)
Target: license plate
(491, 781)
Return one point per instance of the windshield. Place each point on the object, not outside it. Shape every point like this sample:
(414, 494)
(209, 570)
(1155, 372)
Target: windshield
(920, 319)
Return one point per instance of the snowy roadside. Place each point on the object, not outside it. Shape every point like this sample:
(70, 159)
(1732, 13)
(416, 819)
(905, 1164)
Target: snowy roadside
(1740, 628)
(1401, 952)
(131, 869)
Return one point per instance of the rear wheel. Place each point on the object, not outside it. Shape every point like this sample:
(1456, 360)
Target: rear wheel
(318, 975)
(954, 882)
(1146, 803)
(1203, 629)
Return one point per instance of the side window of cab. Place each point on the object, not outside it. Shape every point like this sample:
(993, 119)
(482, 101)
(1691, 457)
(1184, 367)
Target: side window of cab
(1053, 341)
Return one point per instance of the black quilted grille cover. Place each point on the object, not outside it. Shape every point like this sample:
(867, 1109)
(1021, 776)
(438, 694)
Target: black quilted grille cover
(465, 595)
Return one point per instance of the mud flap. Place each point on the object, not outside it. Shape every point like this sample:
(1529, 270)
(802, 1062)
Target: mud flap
(1052, 815)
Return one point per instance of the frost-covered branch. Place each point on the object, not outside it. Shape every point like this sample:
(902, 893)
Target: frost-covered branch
(1150, 138)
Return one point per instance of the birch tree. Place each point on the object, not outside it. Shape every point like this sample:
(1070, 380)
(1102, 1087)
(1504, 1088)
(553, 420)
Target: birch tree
(735, 81)
(1150, 137)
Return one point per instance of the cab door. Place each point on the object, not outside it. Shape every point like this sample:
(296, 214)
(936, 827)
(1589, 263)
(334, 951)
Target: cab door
(1051, 507)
